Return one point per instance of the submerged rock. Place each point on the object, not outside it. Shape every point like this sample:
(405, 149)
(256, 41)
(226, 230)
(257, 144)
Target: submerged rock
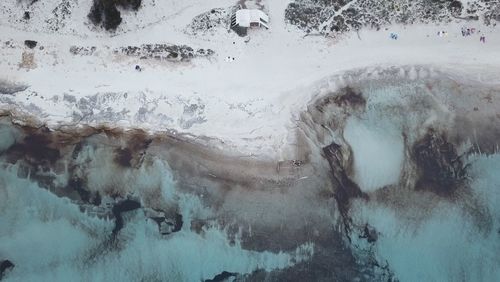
(5, 266)
(121, 207)
(36, 149)
(168, 225)
(369, 233)
(440, 167)
(223, 276)
(346, 188)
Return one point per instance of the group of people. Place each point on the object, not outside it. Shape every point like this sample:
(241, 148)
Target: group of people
(442, 33)
(394, 36)
(470, 31)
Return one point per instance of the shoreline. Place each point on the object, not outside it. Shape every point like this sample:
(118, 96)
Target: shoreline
(323, 207)
(279, 143)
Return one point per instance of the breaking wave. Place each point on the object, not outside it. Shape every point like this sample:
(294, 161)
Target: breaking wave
(93, 209)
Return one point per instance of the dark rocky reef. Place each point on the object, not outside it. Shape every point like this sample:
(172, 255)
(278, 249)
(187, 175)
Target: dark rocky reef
(36, 150)
(333, 260)
(440, 168)
(223, 276)
(167, 225)
(119, 208)
(132, 155)
(369, 233)
(346, 189)
(347, 98)
(5, 266)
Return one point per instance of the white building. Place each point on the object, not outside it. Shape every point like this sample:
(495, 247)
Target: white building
(245, 18)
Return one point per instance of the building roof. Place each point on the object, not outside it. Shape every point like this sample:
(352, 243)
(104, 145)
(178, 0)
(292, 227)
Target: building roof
(245, 17)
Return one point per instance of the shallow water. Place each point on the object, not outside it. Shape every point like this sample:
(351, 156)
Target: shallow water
(395, 181)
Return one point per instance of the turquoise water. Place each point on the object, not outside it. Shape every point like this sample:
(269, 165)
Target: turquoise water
(59, 193)
(52, 238)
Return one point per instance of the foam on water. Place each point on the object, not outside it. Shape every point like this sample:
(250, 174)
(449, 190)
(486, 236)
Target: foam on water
(419, 234)
(447, 245)
(376, 138)
(7, 137)
(422, 235)
(378, 152)
(50, 239)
